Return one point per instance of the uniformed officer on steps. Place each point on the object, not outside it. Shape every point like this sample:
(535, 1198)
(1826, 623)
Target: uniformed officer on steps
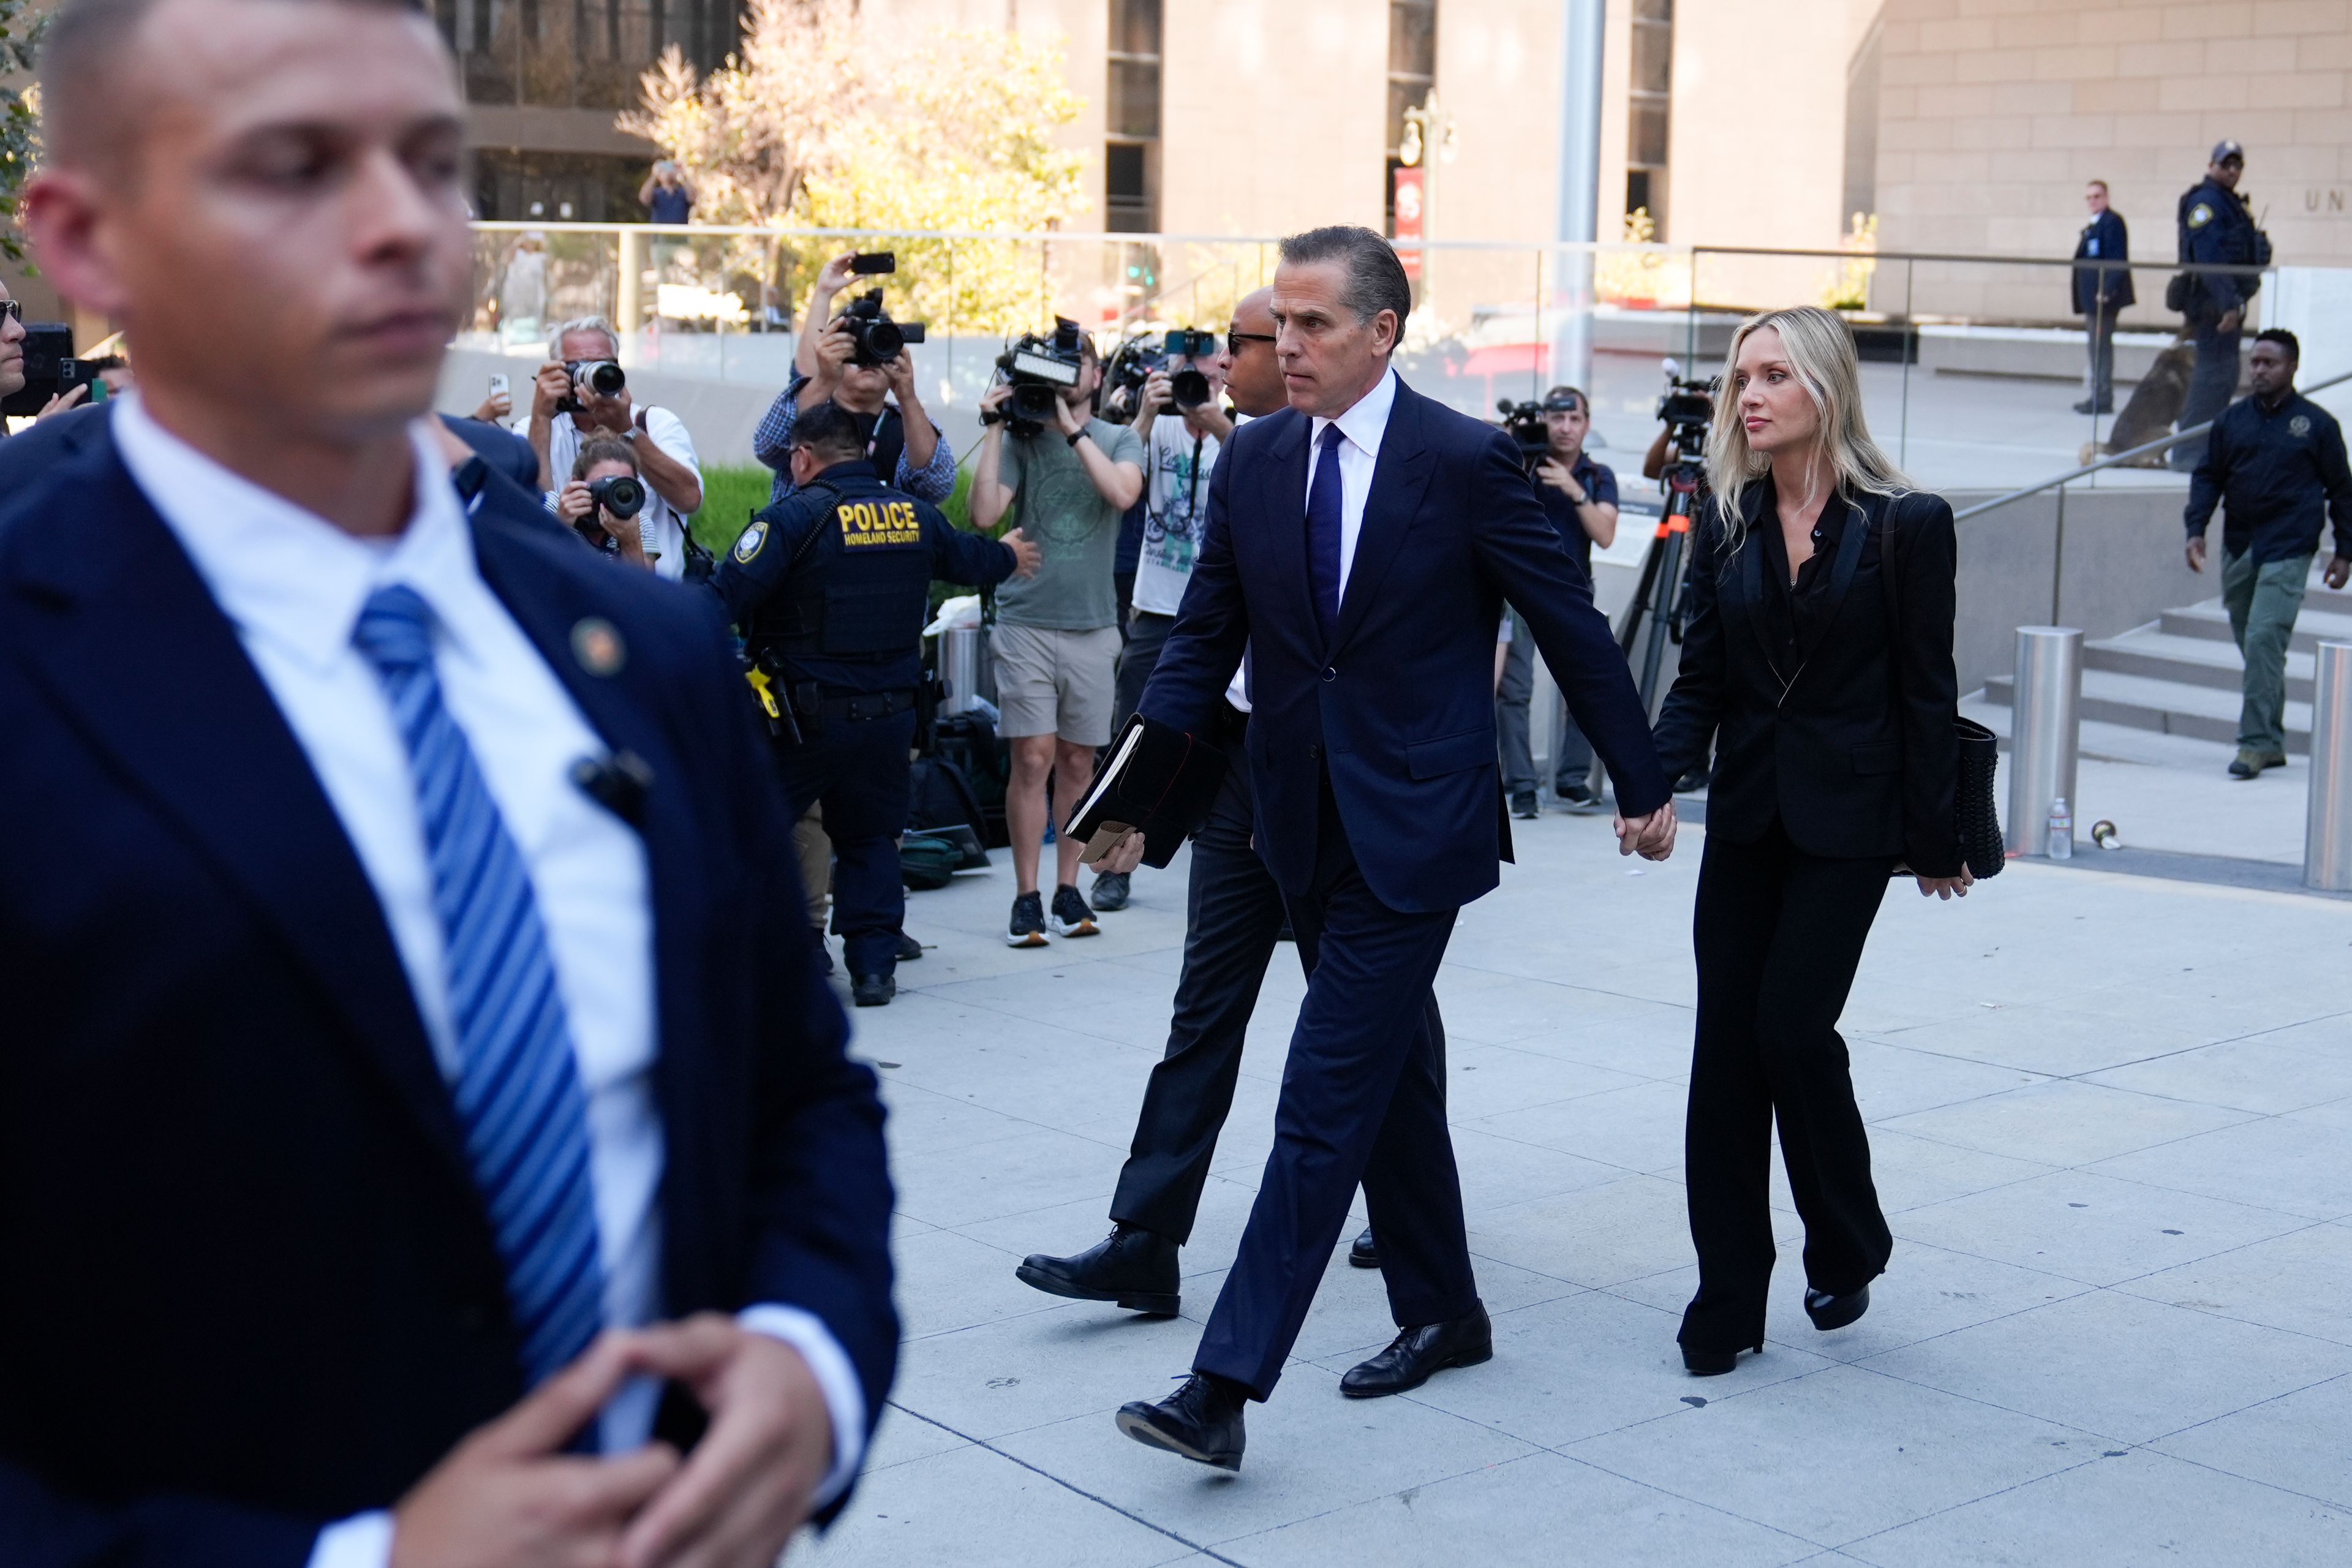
(830, 588)
(2216, 227)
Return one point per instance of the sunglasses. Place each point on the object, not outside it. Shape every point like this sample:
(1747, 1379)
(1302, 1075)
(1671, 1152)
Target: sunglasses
(11, 310)
(1233, 340)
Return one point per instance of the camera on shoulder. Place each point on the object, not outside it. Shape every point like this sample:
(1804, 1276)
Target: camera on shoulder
(1525, 424)
(600, 377)
(1039, 369)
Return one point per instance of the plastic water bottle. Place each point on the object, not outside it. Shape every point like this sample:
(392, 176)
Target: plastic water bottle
(2062, 830)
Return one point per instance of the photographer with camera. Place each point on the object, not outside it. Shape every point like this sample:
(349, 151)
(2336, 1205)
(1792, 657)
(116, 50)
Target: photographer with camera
(908, 451)
(830, 589)
(580, 395)
(1579, 497)
(1056, 639)
(603, 498)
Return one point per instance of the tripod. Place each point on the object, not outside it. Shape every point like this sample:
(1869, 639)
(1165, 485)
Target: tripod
(1658, 594)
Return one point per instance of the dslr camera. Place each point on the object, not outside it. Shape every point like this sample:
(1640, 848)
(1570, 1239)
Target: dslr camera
(617, 498)
(51, 368)
(1137, 358)
(876, 337)
(1189, 387)
(1039, 369)
(603, 377)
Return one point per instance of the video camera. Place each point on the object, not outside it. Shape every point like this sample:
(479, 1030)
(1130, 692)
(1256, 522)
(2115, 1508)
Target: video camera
(1137, 358)
(1687, 410)
(1039, 369)
(877, 338)
(51, 368)
(1525, 424)
(602, 377)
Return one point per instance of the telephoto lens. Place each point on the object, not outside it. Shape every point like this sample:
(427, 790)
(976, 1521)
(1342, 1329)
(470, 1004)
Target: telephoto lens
(602, 377)
(621, 495)
(1189, 387)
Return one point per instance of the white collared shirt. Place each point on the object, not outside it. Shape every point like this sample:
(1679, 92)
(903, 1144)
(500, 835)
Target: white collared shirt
(1360, 429)
(293, 586)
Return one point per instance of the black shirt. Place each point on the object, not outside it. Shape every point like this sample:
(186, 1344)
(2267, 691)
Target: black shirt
(1797, 613)
(1598, 484)
(2276, 474)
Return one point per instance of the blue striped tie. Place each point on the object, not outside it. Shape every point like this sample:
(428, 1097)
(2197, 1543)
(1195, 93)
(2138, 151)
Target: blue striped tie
(518, 1087)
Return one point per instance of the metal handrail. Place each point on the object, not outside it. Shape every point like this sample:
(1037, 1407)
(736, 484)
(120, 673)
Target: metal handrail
(2113, 459)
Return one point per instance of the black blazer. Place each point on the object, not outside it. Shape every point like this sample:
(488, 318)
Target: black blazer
(1857, 757)
(2100, 287)
(246, 1283)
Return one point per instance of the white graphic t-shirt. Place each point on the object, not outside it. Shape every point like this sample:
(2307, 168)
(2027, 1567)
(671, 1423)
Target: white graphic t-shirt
(1176, 511)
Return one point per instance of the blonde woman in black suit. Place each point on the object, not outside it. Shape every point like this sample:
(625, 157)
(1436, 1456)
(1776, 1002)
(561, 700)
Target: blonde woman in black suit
(1818, 659)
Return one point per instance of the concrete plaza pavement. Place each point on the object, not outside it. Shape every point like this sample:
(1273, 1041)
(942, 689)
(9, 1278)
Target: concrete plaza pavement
(2112, 1120)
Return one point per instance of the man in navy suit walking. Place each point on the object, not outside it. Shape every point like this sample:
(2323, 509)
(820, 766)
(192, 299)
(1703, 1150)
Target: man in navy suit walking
(1360, 544)
(424, 1140)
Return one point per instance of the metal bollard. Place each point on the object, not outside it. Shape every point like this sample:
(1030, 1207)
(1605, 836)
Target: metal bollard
(960, 667)
(2045, 732)
(2327, 819)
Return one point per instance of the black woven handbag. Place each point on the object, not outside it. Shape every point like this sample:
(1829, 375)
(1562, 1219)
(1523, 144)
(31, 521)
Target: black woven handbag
(1974, 815)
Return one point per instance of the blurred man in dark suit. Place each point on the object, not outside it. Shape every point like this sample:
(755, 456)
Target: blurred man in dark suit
(412, 1150)
(1360, 544)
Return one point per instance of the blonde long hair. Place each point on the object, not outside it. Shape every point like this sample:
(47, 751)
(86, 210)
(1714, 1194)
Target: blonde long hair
(1820, 350)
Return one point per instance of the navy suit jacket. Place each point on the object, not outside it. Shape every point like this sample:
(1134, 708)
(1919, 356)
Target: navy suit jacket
(1400, 708)
(246, 1283)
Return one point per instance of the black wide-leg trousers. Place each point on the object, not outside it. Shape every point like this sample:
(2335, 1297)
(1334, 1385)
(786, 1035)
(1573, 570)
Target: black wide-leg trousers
(1778, 935)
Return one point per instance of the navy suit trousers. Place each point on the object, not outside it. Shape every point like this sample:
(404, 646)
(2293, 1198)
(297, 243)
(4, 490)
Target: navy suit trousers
(858, 768)
(1363, 1097)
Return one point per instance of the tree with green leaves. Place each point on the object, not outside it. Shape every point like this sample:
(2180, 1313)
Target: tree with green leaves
(20, 118)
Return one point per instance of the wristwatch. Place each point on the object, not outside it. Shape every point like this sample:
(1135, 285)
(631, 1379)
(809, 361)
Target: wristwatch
(1078, 435)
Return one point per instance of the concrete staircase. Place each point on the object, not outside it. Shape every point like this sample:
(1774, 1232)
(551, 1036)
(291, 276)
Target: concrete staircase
(2176, 681)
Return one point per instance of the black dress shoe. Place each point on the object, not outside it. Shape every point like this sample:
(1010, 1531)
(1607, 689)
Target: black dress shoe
(1829, 1311)
(1200, 1421)
(909, 949)
(1712, 1364)
(873, 990)
(1417, 1353)
(1130, 1265)
(1363, 1253)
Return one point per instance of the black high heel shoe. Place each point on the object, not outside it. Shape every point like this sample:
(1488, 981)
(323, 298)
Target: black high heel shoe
(1712, 1364)
(1829, 1311)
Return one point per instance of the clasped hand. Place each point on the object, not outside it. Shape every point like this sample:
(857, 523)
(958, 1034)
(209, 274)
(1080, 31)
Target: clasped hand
(507, 1497)
(1650, 836)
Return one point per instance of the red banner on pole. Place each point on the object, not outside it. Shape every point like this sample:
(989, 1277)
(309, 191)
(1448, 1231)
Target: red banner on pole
(1409, 211)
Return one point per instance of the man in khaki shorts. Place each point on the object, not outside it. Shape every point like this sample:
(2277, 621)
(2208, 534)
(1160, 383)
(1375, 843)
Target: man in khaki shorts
(1055, 641)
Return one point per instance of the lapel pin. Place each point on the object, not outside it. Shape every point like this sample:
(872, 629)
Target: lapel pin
(596, 644)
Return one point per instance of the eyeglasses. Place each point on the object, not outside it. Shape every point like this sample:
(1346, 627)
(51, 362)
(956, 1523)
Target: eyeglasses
(12, 310)
(1233, 340)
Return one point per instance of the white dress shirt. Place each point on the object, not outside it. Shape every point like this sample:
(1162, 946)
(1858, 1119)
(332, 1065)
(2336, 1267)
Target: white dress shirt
(293, 586)
(1360, 429)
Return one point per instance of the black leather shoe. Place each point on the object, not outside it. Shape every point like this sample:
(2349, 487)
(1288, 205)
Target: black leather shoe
(1130, 1265)
(909, 949)
(873, 990)
(1414, 1355)
(1363, 1253)
(1200, 1421)
(1829, 1311)
(1712, 1364)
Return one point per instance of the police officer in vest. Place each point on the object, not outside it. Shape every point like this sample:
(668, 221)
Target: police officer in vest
(2216, 226)
(830, 588)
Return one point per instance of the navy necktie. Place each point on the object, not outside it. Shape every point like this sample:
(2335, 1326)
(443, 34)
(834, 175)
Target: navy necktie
(1323, 531)
(517, 1086)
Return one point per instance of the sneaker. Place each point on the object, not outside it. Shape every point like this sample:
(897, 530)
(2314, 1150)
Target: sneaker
(873, 990)
(1028, 927)
(1524, 807)
(1581, 797)
(2250, 764)
(1071, 915)
(1109, 892)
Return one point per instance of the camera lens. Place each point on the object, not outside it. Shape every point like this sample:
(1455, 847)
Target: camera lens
(883, 340)
(604, 379)
(619, 495)
(1190, 389)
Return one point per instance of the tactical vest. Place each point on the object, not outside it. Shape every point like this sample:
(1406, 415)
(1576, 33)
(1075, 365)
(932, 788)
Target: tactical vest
(862, 592)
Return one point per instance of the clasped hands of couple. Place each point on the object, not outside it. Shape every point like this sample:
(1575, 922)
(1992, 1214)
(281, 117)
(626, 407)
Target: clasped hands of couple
(508, 1496)
(1650, 836)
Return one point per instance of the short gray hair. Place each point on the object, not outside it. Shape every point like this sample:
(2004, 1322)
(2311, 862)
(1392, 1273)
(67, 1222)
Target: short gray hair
(582, 325)
(1375, 277)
